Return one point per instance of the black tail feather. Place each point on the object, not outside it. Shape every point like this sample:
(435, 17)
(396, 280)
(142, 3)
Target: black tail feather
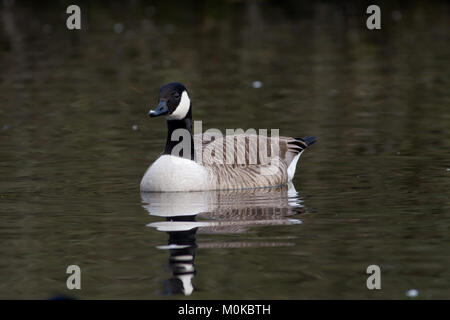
(308, 140)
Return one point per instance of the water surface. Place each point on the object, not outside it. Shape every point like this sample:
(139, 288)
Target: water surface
(75, 141)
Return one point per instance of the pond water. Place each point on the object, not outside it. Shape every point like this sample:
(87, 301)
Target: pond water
(75, 141)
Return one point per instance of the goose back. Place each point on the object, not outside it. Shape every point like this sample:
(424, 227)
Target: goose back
(247, 161)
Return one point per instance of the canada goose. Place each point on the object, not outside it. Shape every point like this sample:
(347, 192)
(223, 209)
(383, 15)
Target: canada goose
(199, 169)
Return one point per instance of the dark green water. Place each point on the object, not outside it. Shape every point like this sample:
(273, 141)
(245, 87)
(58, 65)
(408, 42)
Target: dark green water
(374, 189)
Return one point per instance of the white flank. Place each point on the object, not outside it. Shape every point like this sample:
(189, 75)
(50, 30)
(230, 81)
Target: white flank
(293, 166)
(182, 109)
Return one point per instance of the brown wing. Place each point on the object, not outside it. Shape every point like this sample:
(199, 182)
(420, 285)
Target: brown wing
(246, 160)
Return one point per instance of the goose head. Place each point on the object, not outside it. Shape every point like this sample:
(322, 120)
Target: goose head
(173, 102)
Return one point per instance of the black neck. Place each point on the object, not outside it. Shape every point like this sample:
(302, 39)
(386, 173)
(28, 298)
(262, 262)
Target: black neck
(173, 125)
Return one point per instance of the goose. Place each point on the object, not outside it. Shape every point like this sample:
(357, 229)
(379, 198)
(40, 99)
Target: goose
(207, 161)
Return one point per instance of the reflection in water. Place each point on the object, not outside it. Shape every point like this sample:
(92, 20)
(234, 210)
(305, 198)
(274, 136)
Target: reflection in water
(231, 211)
(181, 260)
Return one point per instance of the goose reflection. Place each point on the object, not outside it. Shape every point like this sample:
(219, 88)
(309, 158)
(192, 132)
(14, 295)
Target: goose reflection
(213, 212)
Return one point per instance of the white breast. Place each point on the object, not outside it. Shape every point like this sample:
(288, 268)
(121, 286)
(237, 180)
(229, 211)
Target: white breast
(169, 173)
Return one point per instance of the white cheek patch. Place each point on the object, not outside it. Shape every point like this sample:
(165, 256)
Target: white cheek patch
(182, 109)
